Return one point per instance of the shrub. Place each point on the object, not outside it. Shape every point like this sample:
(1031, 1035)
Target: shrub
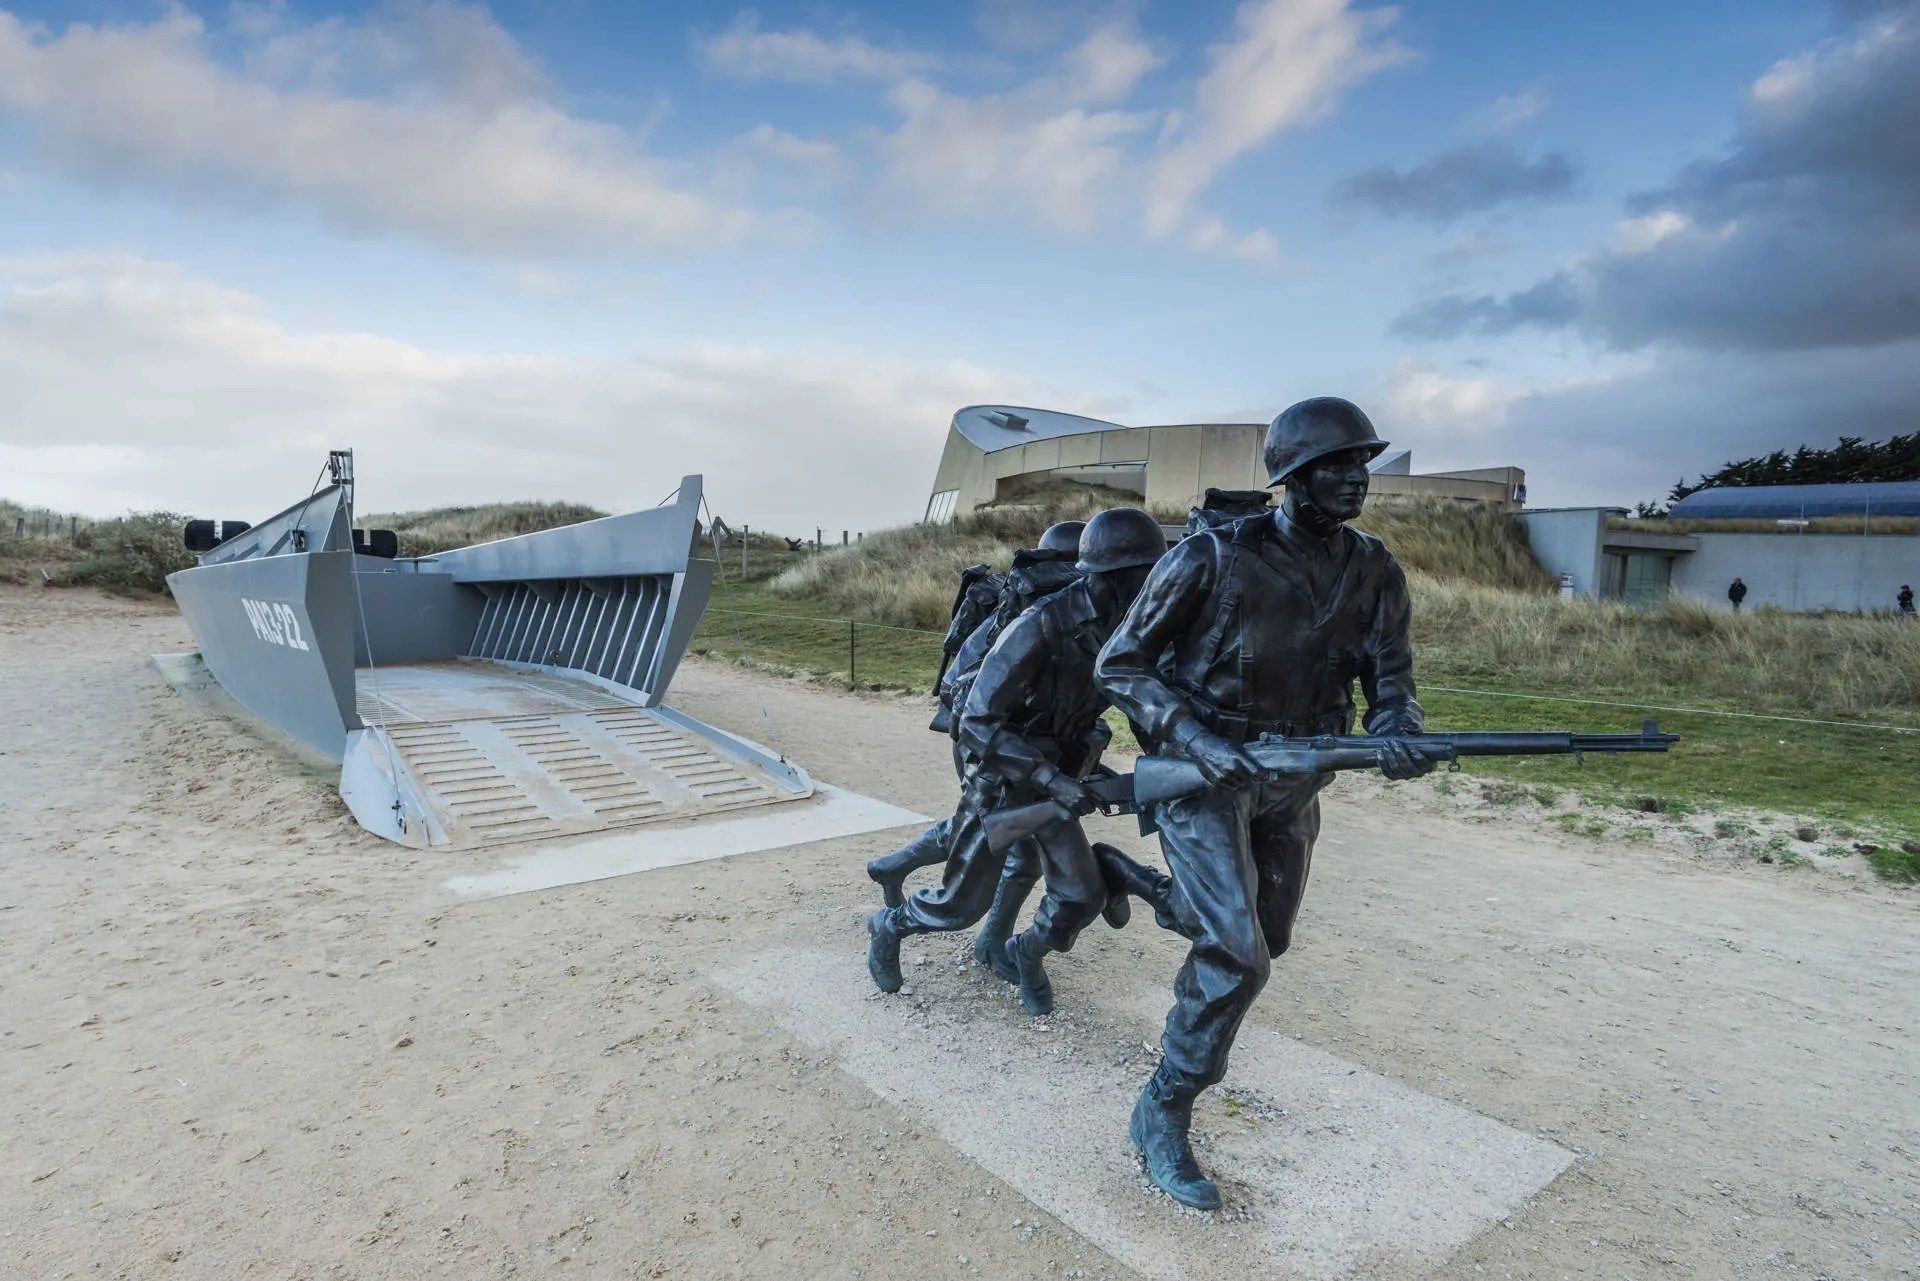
(134, 554)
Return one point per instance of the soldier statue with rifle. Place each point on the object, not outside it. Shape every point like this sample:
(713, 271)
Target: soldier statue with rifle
(1239, 658)
(984, 605)
(1031, 729)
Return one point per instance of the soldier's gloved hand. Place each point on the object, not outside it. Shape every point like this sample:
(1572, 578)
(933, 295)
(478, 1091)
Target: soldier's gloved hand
(1065, 790)
(1400, 762)
(1222, 764)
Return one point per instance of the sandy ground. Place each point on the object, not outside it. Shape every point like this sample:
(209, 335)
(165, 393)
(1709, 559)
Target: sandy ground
(239, 1037)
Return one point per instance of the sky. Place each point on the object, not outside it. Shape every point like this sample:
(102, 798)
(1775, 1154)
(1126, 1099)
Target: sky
(574, 250)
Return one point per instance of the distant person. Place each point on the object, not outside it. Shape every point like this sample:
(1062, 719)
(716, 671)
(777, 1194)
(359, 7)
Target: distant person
(1736, 593)
(1905, 599)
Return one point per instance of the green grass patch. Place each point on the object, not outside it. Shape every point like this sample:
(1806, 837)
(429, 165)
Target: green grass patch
(1839, 774)
(1851, 779)
(1896, 863)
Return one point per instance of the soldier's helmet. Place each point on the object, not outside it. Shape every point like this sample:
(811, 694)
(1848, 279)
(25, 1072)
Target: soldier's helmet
(1063, 537)
(1313, 429)
(1119, 538)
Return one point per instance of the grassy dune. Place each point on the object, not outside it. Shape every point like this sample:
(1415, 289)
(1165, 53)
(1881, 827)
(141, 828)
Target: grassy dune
(1485, 619)
(440, 529)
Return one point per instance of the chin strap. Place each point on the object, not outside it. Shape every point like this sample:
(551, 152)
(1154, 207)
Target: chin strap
(1302, 512)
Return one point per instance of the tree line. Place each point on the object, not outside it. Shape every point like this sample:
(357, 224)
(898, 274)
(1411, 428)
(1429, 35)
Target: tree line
(1852, 461)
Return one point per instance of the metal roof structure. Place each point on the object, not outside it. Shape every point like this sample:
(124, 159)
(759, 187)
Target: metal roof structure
(992, 428)
(996, 427)
(1800, 502)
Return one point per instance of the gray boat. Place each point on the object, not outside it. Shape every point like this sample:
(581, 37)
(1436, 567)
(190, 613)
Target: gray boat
(508, 691)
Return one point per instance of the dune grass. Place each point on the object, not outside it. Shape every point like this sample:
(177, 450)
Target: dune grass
(1485, 620)
(440, 529)
(128, 555)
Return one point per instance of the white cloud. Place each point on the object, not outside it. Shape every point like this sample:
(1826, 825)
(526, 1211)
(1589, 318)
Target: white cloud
(1423, 396)
(1211, 236)
(803, 56)
(1048, 148)
(1510, 111)
(133, 384)
(426, 120)
(1286, 63)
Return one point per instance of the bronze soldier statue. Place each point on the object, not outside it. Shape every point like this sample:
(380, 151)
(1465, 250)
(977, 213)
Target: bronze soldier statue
(1036, 573)
(1255, 627)
(1030, 727)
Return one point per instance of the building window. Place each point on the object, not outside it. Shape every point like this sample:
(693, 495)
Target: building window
(940, 506)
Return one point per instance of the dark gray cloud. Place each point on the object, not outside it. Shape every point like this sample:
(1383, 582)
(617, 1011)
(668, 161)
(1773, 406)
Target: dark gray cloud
(1804, 234)
(1461, 180)
(1551, 304)
(1629, 438)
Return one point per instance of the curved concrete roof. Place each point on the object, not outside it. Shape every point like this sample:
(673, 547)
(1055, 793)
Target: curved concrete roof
(1778, 502)
(996, 427)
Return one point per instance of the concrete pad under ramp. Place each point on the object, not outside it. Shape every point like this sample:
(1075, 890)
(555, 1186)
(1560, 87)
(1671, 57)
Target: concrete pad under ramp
(1329, 1170)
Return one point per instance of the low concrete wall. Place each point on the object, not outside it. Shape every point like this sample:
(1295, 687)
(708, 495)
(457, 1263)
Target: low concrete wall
(1568, 542)
(1801, 571)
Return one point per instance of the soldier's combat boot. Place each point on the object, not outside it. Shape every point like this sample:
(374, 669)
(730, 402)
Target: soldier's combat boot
(1161, 1120)
(1117, 910)
(883, 951)
(890, 871)
(1123, 876)
(990, 944)
(1023, 952)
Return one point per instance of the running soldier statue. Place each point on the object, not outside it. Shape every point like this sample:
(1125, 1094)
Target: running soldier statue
(1030, 728)
(1260, 626)
(1037, 573)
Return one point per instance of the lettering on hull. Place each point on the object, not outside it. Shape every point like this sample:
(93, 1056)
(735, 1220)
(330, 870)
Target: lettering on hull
(274, 623)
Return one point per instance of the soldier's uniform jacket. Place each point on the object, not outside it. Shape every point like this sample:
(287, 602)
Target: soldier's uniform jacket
(1262, 627)
(1035, 575)
(1034, 707)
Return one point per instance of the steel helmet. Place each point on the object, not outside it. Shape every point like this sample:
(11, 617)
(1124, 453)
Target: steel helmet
(1313, 429)
(1063, 537)
(1118, 538)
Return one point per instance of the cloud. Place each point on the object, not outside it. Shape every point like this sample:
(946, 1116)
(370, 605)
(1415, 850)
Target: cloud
(1286, 63)
(1421, 395)
(1804, 234)
(1054, 147)
(1458, 181)
(1623, 439)
(133, 384)
(1212, 237)
(803, 57)
(424, 120)
(1510, 111)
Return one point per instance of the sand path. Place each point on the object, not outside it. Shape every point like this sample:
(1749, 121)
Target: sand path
(239, 1037)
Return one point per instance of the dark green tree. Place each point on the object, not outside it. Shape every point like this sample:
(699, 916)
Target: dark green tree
(1851, 461)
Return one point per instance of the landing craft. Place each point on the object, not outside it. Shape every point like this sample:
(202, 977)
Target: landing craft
(507, 691)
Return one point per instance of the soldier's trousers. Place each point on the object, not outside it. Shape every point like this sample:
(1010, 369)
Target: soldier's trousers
(1075, 891)
(1239, 861)
(935, 845)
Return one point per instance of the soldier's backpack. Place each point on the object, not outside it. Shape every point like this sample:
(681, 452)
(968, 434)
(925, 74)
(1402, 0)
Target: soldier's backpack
(1224, 506)
(1035, 575)
(978, 595)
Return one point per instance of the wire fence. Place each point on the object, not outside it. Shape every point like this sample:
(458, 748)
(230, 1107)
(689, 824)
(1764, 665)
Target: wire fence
(42, 525)
(868, 655)
(895, 657)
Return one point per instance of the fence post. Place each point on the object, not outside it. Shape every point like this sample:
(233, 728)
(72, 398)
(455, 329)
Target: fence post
(852, 657)
(73, 529)
(843, 538)
(19, 526)
(745, 532)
